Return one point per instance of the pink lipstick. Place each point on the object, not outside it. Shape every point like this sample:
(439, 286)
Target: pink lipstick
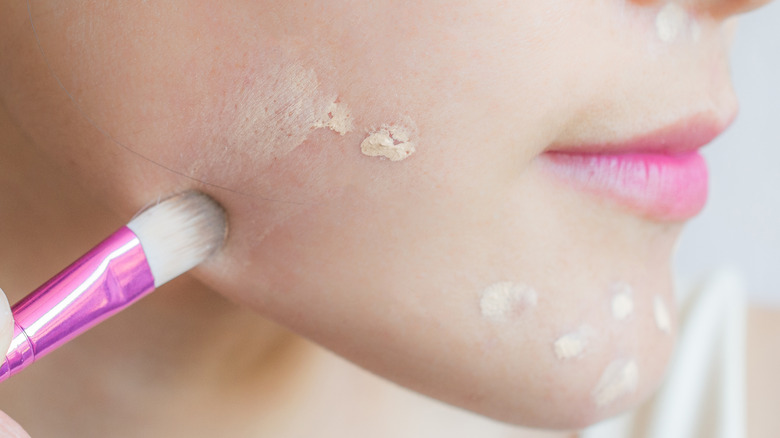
(661, 175)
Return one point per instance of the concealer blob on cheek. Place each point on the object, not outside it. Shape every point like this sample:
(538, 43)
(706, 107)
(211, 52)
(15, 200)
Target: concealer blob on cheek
(393, 142)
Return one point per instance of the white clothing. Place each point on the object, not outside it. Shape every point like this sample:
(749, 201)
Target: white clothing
(704, 390)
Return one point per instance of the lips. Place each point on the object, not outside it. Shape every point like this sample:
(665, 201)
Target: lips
(660, 175)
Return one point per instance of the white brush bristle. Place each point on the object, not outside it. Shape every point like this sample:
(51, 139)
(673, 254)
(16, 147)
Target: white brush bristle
(179, 233)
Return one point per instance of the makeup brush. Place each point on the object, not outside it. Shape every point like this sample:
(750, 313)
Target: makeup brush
(158, 245)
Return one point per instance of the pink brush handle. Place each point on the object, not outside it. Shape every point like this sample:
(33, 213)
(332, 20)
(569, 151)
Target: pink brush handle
(104, 281)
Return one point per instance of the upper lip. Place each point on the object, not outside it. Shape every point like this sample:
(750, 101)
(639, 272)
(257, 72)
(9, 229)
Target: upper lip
(685, 135)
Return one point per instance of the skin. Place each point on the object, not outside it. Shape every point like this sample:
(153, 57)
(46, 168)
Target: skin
(762, 360)
(107, 108)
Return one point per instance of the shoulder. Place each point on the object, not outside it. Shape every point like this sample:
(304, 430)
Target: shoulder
(763, 365)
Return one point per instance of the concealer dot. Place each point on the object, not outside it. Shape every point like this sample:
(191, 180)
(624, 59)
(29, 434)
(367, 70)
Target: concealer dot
(506, 301)
(671, 22)
(619, 379)
(662, 319)
(573, 344)
(622, 301)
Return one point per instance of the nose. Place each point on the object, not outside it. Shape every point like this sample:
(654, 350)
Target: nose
(718, 9)
(721, 9)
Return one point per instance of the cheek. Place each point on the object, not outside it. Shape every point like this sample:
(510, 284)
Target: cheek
(193, 90)
(407, 274)
(266, 115)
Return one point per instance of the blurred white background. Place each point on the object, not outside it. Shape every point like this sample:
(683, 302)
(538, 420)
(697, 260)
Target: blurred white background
(740, 227)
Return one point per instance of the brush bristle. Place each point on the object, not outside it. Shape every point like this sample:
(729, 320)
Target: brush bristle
(179, 233)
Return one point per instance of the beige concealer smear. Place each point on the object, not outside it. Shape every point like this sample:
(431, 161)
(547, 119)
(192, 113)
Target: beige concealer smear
(620, 378)
(389, 141)
(671, 22)
(622, 301)
(505, 301)
(572, 345)
(661, 314)
(280, 107)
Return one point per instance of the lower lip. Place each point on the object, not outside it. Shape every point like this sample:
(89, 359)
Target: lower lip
(666, 187)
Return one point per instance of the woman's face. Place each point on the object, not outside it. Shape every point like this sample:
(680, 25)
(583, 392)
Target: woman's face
(470, 266)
